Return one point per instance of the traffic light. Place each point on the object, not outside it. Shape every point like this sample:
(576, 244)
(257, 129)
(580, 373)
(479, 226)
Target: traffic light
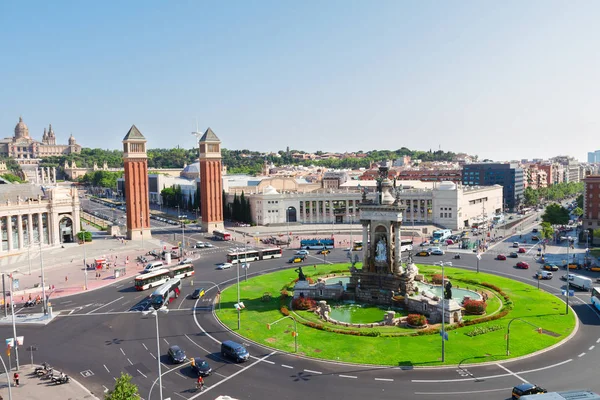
(540, 330)
(269, 326)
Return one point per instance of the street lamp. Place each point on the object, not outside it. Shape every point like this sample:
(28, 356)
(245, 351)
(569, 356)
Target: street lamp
(287, 217)
(443, 333)
(7, 378)
(568, 274)
(155, 314)
(508, 332)
(295, 333)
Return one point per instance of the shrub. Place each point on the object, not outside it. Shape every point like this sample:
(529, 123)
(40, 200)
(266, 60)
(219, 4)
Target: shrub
(475, 306)
(284, 310)
(266, 297)
(437, 279)
(284, 294)
(416, 320)
(480, 330)
(303, 303)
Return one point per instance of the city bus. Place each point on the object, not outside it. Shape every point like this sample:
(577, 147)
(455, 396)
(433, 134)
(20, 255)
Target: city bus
(182, 271)
(406, 245)
(441, 234)
(151, 279)
(596, 297)
(317, 244)
(357, 245)
(221, 235)
(248, 255)
(165, 294)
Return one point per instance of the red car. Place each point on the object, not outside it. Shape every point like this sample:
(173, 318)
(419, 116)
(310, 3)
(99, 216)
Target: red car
(522, 265)
(521, 250)
(501, 257)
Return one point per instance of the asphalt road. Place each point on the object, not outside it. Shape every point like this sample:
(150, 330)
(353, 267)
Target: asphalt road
(101, 333)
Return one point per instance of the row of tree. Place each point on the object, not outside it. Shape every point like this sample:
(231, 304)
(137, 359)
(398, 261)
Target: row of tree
(556, 192)
(238, 210)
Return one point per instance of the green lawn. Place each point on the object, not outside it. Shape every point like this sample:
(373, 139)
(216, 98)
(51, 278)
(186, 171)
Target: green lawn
(533, 305)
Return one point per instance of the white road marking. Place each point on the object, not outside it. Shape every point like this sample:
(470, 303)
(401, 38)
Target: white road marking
(153, 356)
(384, 379)
(65, 302)
(591, 348)
(269, 362)
(581, 355)
(106, 368)
(72, 311)
(142, 374)
(286, 366)
(165, 341)
(120, 286)
(347, 376)
(180, 395)
(221, 375)
(474, 391)
(177, 373)
(144, 346)
(129, 361)
(598, 341)
(122, 351)
(107, 304)
(512, 373)
(312, 372)
(105, 389)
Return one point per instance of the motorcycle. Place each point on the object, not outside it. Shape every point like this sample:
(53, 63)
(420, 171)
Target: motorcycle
(46, 374)
(60, 379)
(42, 369)
(32, 303)
(457, 256)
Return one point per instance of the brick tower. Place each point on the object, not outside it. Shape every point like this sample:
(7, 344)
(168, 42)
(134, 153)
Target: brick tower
(211, 183)
(136, 185)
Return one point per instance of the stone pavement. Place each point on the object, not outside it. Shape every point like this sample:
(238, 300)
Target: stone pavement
(33, 388)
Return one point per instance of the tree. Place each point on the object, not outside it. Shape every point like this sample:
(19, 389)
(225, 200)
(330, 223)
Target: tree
(85, 236)
(578, 211)
(547, 230)
(124, 389)
(580, 201)
(531, 196)
(556, 214)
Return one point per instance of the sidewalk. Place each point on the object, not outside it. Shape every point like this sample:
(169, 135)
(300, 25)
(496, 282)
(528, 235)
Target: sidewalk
(33, 388)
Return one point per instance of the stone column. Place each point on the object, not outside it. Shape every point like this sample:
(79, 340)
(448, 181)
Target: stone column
(37, 175)
(398, 255)
(48, 174)
(20, 230)
(40, 228)
(30, 228)
(54, 233)
(318, 212)
(365, 240)
(9, 232)
(54, 174)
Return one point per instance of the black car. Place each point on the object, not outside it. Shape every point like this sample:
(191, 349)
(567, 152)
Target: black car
(176, 354)
(526, 388)
(513, 255)
(197, 293)
(201, 367)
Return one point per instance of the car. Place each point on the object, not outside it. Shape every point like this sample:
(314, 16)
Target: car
(296, 259)
(449, 241)
(543, 275)
(515, 244)
(197, 293)
(511, 217)
(224, 266)
(186, 260)
(522, 265)
(201, 366)
(501, 257)
(535, 238)
(550, 267)
(521, 250)
(208, 245)
(437, 252)
(200, 245)
(534, 230)
(324, 251)
(526, 388)
(425, 243)
(302, 252)
(513, 254)
(424, 253)
(564, 277)
(176, 354)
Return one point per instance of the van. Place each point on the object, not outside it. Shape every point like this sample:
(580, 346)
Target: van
(581, 282)
(153, 266)
(544, 274)
(234, 350)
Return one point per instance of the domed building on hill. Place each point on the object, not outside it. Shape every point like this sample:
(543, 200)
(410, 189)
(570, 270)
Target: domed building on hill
(27, 150)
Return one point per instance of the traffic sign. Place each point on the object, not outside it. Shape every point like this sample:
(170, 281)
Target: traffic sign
(444, 334)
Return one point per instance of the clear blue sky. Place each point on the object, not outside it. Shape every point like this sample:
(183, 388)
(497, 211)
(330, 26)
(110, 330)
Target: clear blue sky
(504, 80)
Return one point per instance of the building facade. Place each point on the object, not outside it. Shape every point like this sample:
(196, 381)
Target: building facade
(507, 175)
(23, 148)
(591, 202)
(594, 156)
(32, 217)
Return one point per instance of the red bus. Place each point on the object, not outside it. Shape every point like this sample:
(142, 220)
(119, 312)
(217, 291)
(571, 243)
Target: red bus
(221, 235)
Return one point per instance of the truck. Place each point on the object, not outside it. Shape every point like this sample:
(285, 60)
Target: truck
(581, 282)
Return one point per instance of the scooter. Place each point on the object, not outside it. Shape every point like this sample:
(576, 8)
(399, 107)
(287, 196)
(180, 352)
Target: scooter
(43, 369)
(47, 374)
(60, 379)
(457, 256)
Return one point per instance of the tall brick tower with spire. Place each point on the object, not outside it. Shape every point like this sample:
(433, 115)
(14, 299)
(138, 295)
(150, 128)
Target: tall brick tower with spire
(211, 182)
(136, 185)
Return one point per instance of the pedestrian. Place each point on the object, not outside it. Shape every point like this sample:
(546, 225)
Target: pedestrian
(16, 378)
(66, 279)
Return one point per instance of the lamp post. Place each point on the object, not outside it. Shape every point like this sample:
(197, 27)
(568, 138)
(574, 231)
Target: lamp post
(568, 274)
(295, 333)
(7, 378)
(508, 332)
(155, 314)
(14, 325)
(44, 300)
(443, 333)
(287, 217)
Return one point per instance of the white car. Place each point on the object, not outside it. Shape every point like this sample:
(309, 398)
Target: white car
(186, 261)
(208, 245)
(224, 266)
(200, 245)
(437, 252)
(302, 252)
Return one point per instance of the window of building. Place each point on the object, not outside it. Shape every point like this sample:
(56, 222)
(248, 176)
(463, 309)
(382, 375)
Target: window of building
(449, 215)
(441, 215)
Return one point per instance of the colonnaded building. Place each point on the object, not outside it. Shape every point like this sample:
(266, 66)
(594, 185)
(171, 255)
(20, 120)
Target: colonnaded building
(33, 215)
(25, 149)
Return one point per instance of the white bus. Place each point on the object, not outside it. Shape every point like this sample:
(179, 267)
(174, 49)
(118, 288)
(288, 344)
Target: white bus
(242, 256)
(165, 294)
(406, 245)
(182, 271)
(441, 234)
(596, 297)
(151, 279)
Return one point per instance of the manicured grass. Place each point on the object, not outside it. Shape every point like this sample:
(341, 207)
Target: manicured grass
(530, 304)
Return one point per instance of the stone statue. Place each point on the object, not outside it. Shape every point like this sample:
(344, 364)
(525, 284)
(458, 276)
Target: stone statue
(381, 250)
(448, 291)
(301, 276)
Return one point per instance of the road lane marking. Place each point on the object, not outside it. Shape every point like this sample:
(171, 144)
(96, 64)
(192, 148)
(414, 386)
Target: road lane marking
(512, 373)
(581, 355)
(598, 341)
(106, 368)
(153, 356)
(129, 361)
(65, 302)
(165, 341)
(348, 376)
(144, 346)
(286, 366)
(313, 372)
(269, 362)
(107, 304)
(470, 392)
(591, 348)
(122, 351)
(180, 395)
(142, 373)
(120, 286)
(384, 379)
(105, 389)
(177, 373)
